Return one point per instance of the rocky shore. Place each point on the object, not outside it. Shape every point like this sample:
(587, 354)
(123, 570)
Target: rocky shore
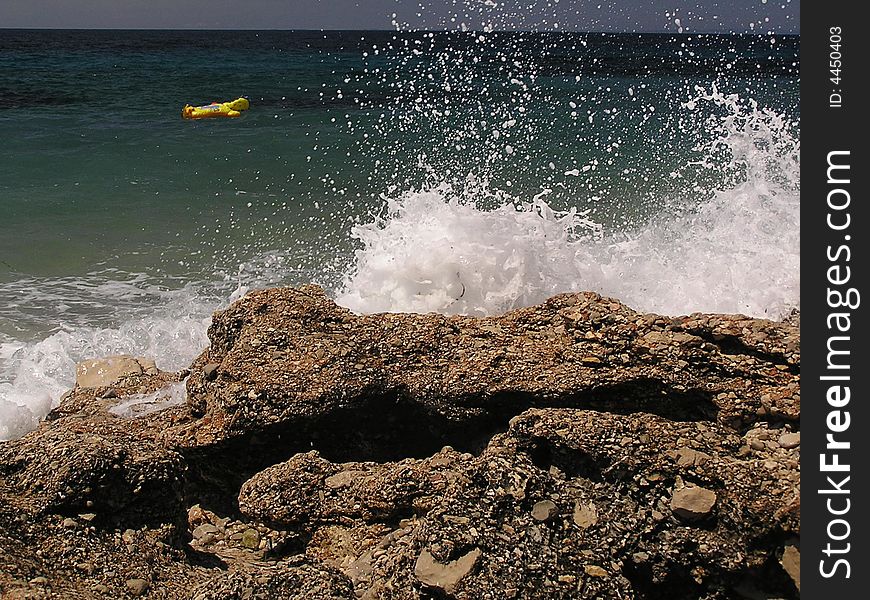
(575, 449)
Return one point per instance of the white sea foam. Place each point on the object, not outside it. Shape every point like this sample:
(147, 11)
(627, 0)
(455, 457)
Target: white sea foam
(435, 253)
(34, 375)
(736, 250)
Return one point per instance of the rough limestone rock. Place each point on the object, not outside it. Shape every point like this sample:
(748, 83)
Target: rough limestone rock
(553, 460)
(541, 454)
(84, 460)
(323, 492)
(300, 581)
(287, 355)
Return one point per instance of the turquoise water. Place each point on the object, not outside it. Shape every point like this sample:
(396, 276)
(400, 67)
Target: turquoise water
(123, 226)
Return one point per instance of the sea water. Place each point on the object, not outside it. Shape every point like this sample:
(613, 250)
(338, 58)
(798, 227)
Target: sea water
(465, 172)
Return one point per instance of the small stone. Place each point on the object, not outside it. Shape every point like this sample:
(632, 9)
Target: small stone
(195, 515)
(544, 510)
(148, 365)
(756, 445)
(456, 519)
(209, 371)
(640, 557)
(790, 440)
(137, 587)
(585, 515)
(109, 393)
(104, 372)
(85, 567)
(556, 472)
(342, 479)
(441, 576)
(251, 539)
(791, 562)
(692, 503)
(205, 528)
(595, 571)
(688, 457)
(69, 523)
(88, 517)
(39, 580)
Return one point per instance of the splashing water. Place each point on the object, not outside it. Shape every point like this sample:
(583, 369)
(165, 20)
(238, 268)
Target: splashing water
(435, 252)
(735, 251)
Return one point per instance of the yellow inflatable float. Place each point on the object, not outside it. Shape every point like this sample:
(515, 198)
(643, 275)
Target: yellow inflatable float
(216, 109)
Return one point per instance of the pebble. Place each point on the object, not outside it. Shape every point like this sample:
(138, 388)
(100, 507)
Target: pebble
(251, 539)
(85, 567)
(595, 571)
(585, 515)
(692, 503)
(444, 577)
(137, 587)
(209, 371)
(790, 440)
(69, 523)
(544, 510)
(791, 563)
(205, 528)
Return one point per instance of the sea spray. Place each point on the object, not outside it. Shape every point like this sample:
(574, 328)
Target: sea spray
(434, 251)
(734, 250)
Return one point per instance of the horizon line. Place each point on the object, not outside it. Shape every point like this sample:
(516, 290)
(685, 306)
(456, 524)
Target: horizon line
(324, 30)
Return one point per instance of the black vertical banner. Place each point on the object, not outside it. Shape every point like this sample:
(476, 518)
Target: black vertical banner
(835, 224)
